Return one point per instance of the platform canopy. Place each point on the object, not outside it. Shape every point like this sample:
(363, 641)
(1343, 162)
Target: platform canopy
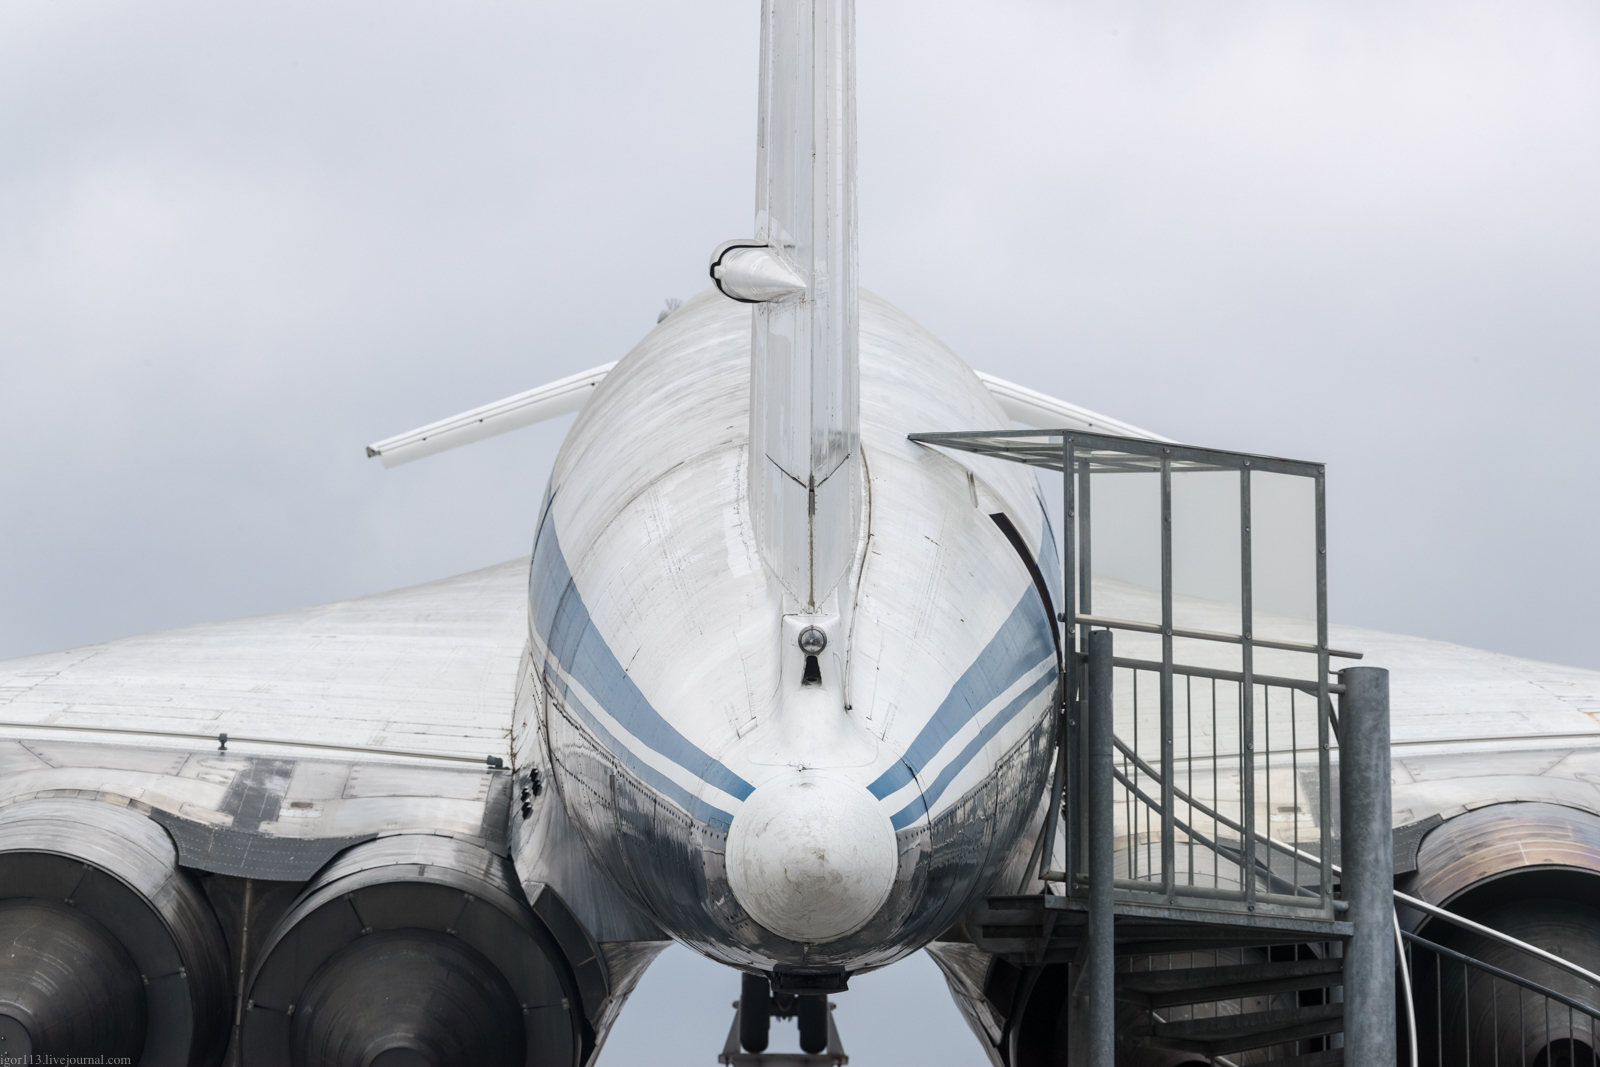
(1106, 454)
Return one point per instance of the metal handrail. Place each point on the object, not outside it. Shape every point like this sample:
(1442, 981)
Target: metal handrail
(1400, 898)
(1204, 842)
(1283, 846)
(1272, 842)
(1404, 967)
(1207, 635)
(1495, 935)
(1305, 685)
(1489, 968)
(1266, 839)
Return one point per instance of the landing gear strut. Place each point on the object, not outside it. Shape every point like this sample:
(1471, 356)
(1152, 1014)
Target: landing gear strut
(753, 1013)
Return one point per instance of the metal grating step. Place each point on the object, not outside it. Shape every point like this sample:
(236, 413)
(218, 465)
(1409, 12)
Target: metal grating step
(1239, 1033)
(1331, 1058)
(1197, 985)
(1038, 929)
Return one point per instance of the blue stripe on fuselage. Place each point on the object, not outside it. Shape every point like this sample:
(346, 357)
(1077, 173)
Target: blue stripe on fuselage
(914, 810)
(1022, 641)
(563, 622)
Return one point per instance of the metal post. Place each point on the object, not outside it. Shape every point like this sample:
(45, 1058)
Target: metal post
(1247, 692)
(1324, 701)
(1099, 976)
(1067, 686)
(1367, 856)
(1079, 642)
(1169, 775)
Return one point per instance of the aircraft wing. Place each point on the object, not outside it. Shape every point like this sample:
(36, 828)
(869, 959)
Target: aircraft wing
(1449, 695)
(1472, 729)
(368, 760)
(427, 672)
(343, 722)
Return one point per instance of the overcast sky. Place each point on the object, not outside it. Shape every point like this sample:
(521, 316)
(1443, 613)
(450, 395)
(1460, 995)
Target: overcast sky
(238, 242)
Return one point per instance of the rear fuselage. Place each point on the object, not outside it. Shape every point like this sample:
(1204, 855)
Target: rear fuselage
(675, 687)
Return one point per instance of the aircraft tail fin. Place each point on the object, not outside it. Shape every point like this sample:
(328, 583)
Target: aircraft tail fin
(800, 273)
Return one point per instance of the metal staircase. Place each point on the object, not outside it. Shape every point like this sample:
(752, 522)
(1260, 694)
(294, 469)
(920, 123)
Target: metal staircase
(1218, 867)
(1215, 989)
(1192, 911)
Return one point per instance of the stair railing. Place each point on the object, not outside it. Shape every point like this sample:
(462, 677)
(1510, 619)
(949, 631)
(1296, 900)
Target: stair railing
(1257, 759)
(1404, 941)
(1487, 1011)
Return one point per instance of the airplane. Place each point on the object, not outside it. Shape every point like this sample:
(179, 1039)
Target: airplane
(776, 683)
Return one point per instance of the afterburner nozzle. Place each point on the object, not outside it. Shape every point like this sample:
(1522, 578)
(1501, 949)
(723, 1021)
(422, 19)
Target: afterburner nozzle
(811, 858)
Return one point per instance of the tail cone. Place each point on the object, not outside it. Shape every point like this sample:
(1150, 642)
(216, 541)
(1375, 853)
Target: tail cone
(811, 858)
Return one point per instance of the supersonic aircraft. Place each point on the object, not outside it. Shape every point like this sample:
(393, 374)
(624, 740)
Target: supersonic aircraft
(777, 684)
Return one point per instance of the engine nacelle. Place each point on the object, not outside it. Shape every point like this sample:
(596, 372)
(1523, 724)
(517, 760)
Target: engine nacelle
(413, 951)
(106, 947)
(1531, 870)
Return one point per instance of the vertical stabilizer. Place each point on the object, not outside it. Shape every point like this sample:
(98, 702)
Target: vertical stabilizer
(800, 273)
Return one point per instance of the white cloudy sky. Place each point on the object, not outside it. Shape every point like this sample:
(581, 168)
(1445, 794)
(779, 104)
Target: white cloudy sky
(237, 242)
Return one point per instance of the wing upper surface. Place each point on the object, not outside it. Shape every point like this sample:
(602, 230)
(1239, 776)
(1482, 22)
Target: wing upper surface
(1440, 693)
(428, 670)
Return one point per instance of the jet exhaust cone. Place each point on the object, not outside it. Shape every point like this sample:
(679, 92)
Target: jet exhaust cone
(811, 858)
(408, 998)
(67, 987)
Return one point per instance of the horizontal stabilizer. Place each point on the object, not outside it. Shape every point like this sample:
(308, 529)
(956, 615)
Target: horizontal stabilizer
(536, 405)
(568, 394)
(1047, 413)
